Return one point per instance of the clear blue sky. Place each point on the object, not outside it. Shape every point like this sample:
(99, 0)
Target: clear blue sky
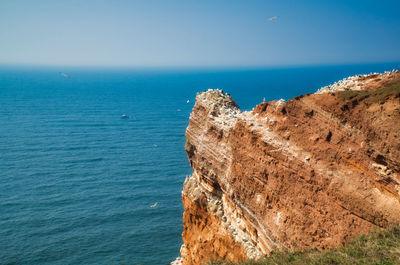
(198, 32)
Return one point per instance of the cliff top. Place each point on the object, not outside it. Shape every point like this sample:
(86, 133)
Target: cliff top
(308, 173)
(360, 82)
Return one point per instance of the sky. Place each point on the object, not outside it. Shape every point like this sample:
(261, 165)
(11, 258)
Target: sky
(181, 33)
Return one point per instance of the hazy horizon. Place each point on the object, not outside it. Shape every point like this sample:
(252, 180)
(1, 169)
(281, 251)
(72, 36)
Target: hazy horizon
(390, 64)
(173, 34)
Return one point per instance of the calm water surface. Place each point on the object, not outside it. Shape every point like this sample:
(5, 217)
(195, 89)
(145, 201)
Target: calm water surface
(77, 181)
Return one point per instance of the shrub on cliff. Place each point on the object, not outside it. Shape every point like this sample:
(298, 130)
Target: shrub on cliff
(378, 248)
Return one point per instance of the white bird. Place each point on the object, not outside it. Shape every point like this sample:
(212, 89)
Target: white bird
(187, 101)
(64, 75)
(154, 205)
(273, 18)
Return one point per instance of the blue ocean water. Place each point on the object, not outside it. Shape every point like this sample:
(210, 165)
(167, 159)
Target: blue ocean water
(77, 181)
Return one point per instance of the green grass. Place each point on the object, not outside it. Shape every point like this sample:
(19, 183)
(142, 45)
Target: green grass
(378, 248)
(378, 95)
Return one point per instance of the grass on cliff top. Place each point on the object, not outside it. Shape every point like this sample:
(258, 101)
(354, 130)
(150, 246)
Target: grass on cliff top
(378, 248)
(378, 95)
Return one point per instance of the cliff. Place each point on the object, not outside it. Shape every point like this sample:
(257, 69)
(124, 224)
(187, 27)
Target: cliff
(311, 172)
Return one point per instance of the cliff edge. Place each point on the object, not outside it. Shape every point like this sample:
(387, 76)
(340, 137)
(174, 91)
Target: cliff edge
(311, 172)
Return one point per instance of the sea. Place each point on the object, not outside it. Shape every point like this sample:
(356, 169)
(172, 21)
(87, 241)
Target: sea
(78, 181)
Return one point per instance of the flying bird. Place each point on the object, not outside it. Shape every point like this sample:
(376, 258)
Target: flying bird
(154, 205)
(64, 75)
(271, 19)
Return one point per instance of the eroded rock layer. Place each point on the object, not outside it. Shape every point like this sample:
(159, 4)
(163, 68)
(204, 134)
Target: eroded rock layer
(312, 172)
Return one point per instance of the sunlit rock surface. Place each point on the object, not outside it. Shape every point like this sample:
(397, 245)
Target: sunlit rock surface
(312, 172)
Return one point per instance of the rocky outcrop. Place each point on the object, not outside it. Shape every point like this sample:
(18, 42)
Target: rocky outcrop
(312, 172)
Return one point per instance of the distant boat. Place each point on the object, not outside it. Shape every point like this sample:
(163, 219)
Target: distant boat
(273, 18)
(124, 116)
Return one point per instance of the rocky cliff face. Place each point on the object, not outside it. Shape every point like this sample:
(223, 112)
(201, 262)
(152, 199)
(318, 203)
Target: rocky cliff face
(312, 172)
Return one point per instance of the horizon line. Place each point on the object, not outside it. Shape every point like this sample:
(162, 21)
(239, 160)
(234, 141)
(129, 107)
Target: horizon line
(112, 66)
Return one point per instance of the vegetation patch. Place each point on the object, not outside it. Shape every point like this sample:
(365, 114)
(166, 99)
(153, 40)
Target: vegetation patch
(378, 95)
(378, 248)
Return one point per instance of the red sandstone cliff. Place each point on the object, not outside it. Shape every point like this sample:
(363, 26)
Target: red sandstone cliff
(312, 172)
